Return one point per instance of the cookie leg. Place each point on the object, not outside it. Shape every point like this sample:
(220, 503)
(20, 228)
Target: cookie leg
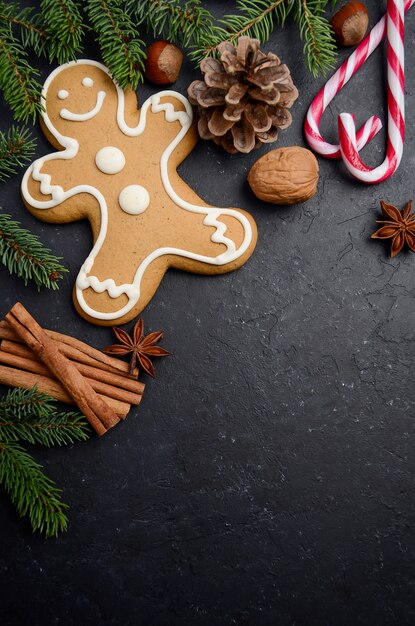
(99, 307)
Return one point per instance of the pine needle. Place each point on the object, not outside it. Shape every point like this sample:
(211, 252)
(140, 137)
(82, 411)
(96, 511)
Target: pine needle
(24, 255)
(320, 49)
(122, 49)
(25, 23)
(65, 29)
(56, 32)
(17, 148)
(192, 26)
(29, 415)
(185, 23)
(18, 84)
(31, 492)
(257, 19)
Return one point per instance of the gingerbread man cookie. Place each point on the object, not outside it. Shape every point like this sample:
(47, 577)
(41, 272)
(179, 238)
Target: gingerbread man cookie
(116, 166)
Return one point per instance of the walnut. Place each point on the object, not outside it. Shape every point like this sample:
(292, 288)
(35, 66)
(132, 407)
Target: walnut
(285, 176)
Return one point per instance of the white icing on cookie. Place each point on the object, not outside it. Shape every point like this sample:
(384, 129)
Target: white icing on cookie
(83, 117)
(134, 199)
(110, 160)
(71, 147)
(87, 81)
(62, 94)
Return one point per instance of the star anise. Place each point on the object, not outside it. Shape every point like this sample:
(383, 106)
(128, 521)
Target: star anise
(140, 347)
(398, 226)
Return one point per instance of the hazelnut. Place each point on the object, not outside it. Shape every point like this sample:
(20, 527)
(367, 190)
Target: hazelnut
(285, 176)
(350, 23)
(163, 63)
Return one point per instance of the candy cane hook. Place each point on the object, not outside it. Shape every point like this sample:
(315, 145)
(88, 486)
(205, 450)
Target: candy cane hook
(335, 84)
(396, 108)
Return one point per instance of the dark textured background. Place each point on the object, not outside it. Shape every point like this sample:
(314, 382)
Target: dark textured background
(267, 477)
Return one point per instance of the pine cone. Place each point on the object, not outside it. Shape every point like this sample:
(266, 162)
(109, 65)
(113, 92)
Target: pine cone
(244, 97)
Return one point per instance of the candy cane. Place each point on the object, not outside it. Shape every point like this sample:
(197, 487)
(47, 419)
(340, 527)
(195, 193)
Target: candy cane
(396, 108)
(335, 84)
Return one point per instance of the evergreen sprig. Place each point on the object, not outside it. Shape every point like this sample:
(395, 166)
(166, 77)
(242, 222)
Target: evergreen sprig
(122, 49)
(24, 255)
(18, 82)
(29, 415)
(17, 147)
(56, 32)
(65, 29)
(25, 23)
(31, 492)
(320, 49)
(188, 22)
(195, 27)
(257, 18)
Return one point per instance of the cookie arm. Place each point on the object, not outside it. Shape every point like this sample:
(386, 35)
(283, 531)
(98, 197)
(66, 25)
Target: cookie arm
(51, 202)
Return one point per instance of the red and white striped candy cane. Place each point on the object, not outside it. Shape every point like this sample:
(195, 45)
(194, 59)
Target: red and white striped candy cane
(396, 107)
(335, 84)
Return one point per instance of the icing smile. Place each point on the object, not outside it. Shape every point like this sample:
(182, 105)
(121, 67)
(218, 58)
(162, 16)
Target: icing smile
(83, 117)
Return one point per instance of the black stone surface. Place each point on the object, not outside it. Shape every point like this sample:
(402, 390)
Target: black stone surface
(268, 475)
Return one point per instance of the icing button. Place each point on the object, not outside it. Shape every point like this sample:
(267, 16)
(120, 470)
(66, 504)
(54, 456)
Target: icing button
(134, 199)
(87, 82)
(110, 160)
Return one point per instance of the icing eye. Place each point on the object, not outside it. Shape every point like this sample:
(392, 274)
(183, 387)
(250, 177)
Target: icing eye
(62, 94)
(87, 82)
(134, 199)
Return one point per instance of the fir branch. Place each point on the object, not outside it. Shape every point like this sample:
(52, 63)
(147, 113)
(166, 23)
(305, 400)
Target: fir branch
(256, 18)
(122, 49)
(17, 147)
(320, 48)
(24, 255)
(56, 32)
(17, 78)
(25, 22)
(174, 21)
(30, 490)
(29, 415)
(65, 28)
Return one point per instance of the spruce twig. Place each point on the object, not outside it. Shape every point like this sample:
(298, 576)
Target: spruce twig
(56, 32)
(17, 147)
(29, 415)
(24, 255)
(31, 492)
(65, 28)
(174, 21)
(25, 22)
(122, 49)
(257, 19)
(320, 48)
(195, 27)
(20, 88)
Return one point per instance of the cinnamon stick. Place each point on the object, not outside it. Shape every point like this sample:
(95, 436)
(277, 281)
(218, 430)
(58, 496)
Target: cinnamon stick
(70, 347)
(37, 367)
(93, 353)
(96, 410)
(13, 377)
(115, 380)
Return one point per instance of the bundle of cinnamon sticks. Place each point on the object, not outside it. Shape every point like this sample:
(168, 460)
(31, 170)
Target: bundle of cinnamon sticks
(66, 369)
